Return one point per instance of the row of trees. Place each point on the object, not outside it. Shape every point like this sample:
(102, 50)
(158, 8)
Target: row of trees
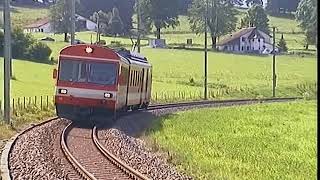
(222, 15)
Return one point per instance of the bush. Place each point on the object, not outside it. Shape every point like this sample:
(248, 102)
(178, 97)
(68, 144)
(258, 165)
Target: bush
(39, 51)
(20, 43)
(24, 46)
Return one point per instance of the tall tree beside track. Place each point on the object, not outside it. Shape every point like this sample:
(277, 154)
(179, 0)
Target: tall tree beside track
(125, 7)
(274, 7)
(307, 16)
(102, 19)
(60, 17)
(221, 18)
(256, 17)
(159, 13)
(115, 23)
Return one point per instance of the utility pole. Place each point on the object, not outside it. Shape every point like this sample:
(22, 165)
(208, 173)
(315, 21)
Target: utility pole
(7, 59)
(73, 21)
(206, 53)
(274, 76)
(138, 24)
(98, 26)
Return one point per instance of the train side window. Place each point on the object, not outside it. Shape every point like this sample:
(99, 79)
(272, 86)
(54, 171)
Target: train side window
(135, 78)
(124, 74)
(132, 76)
(130, 80)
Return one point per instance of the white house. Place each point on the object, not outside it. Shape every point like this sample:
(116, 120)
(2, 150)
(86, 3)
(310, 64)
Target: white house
(45, 26)
(42, 25)
(89, 25)
(247, 40)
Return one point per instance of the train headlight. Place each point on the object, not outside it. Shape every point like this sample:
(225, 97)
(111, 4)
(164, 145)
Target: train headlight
(63, 91)
(89, 50)
(107, 95)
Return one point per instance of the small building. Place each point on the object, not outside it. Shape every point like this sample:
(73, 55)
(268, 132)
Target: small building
(85, 23)
(247, 40)
(42, 25)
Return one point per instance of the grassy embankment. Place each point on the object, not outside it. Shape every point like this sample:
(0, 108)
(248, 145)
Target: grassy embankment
(173, 70)
(22, 16)
(180, 70)
(273, 141)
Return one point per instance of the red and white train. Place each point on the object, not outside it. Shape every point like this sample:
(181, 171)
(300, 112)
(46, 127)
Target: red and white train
(96, 79)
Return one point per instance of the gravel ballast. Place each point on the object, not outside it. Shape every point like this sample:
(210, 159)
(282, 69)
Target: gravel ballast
(36, 154)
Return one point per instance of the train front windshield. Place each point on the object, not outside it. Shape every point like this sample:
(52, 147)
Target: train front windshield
(90, 72)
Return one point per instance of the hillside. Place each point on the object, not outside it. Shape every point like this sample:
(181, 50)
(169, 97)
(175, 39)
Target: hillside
(22, 16)
(293, 34)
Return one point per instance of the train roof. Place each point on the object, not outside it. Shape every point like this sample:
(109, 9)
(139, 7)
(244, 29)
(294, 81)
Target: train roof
(104, 54)
(133, 57)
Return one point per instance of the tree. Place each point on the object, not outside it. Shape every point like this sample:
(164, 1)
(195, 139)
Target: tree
(60, 17)
(274, 6)
(253, 2)
(282, 44)
(102, 19)
(125, 8)
(221, 18)
(307, 15)
(160, 13)
(256, 17)
(183, 6)
(115, 22)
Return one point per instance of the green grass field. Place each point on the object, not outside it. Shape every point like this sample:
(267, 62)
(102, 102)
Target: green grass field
(22, 16)
(229, 76)
(274, 141)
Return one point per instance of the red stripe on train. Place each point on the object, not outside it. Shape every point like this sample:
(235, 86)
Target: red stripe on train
(87, 86)
(85, 102)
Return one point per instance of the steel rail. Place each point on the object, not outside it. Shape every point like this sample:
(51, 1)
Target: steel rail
(76, 165)
(208, 102)
(134, 174)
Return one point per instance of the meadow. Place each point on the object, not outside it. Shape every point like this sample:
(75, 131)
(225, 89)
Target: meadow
(22, 16)
(271, 141)
(174, 71)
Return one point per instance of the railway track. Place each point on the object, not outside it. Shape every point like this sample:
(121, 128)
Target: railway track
(90, 159)
(220, 102)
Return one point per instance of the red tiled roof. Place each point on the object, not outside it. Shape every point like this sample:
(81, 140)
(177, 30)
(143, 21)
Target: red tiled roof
(236, 35)
(38, 23)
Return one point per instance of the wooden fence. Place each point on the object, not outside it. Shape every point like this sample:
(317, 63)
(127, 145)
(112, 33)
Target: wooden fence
(45, 102)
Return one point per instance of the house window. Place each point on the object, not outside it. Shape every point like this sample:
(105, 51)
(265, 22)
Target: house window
(248, 48)
(243, 39)
(258, 40)
(242, 48)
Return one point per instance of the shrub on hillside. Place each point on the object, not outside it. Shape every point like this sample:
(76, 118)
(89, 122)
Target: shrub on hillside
(24, 46)
(20, 43)
(39, 51)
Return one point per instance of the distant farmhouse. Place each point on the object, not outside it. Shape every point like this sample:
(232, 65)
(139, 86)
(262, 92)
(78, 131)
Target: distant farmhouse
(44, 25)
(247, 40)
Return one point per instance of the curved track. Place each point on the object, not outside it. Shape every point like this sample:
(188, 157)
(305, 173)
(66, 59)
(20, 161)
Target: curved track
(90, 159)
(220, 102)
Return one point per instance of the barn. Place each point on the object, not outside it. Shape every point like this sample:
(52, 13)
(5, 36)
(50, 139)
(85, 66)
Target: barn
(246, 40)
(44, 25)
